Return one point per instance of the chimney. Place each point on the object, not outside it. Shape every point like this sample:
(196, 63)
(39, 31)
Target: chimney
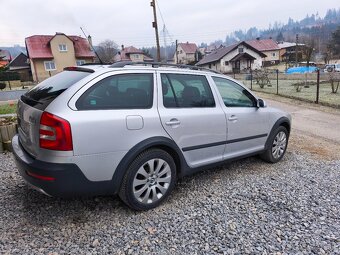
(270, 37)
(89, 39)
(258, 38)
(122, 46)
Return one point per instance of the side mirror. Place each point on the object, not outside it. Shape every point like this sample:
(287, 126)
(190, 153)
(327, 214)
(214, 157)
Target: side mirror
(261, 103)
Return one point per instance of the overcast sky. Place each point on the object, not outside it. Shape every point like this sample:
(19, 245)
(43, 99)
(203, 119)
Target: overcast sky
(128, 22)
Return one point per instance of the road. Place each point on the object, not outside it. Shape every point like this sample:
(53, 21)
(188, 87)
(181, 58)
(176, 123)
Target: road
(315, 128)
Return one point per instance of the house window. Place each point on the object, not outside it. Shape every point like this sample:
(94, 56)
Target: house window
(62, 47)
(274, 54)
(226, 63)
(240, 50)
(49, 65)
(80, 62)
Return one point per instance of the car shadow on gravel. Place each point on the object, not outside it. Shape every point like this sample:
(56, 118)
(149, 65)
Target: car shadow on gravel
(41, 210)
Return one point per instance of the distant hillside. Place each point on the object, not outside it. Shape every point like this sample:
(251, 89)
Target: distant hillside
(311, 27)
(14, 51)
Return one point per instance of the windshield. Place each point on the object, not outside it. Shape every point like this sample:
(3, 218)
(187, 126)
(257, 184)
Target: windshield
(45, 92)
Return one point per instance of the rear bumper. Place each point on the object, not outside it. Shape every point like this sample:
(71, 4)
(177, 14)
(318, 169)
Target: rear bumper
(68, 179)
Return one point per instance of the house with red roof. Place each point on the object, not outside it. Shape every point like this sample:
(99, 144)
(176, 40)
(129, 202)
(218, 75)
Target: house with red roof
(269, 47)
(186, 53)
(50, 54)
(131, 54)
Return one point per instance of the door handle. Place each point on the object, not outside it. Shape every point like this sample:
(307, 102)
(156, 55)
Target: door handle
(173, 122)
(232, 118)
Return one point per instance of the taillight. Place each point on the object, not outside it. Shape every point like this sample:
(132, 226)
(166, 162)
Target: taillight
(55, 133)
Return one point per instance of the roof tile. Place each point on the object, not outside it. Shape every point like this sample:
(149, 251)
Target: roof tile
(264, 44)
(188, 48)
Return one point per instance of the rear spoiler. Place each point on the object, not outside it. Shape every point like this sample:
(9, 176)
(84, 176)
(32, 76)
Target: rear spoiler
(79, 69)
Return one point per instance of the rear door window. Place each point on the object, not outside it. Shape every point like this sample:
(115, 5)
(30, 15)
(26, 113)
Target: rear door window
(45, 92)
(121, 91)
(186, 91)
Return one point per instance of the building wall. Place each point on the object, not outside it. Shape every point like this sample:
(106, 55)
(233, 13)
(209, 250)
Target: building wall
(136, 57)
(213, 66)
(38, 70)
(62, 59)
(270, 56)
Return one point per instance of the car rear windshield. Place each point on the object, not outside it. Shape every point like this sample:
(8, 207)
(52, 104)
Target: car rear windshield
(45, 92)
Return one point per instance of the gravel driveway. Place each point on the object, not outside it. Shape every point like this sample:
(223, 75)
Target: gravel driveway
(245, 207)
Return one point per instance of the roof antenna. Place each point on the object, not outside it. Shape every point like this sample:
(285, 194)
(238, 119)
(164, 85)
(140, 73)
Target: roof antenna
(101, 62)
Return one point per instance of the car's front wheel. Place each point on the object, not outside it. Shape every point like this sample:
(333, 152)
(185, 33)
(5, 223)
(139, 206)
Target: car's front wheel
(277, 145)
(149, 180)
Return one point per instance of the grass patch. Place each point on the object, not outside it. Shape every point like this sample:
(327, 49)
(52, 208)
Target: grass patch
(287, 88)
(8, 108)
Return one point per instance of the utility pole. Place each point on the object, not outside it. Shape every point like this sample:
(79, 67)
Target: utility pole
(176, 52)
(155, 26)
(165, 44)
(296, 50)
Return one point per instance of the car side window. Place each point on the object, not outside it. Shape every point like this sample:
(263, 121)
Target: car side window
(122, 91)
(233, 94)
(186, 90)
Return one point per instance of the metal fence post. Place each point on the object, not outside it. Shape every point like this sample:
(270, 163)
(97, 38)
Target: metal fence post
(251, 79)
(317, 86)
(277, 81)
(9, 82)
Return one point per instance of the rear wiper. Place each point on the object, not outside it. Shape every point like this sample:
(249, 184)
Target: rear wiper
(30, 99)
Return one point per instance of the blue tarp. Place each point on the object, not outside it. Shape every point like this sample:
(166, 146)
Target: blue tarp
(302, 69)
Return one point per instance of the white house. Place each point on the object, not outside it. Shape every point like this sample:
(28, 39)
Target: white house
(234, 58)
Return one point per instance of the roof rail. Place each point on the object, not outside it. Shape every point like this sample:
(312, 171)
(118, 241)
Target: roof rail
(159, 64)
(96, 63)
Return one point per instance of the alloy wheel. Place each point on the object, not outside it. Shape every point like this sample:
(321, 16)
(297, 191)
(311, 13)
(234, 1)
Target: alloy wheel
(152, 181)
(279, 145)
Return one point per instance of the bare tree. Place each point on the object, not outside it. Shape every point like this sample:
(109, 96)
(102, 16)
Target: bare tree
(308, 49)
(334, 79)
(106, 50)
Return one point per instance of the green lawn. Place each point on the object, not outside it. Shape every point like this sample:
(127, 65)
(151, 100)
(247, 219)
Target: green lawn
(8, 108)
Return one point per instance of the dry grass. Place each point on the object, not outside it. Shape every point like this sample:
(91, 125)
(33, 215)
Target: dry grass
(8, 108)
(287, 87)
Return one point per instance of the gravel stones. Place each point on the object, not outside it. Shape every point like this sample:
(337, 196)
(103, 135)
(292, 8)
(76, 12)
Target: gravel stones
(247, 207)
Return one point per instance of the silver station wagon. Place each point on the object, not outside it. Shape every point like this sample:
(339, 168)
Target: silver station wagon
(134, 129)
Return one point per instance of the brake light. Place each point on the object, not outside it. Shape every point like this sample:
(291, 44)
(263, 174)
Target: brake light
(55, 133)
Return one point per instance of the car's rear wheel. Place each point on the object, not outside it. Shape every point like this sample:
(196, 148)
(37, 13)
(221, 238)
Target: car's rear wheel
(149, 180)
(277, 145)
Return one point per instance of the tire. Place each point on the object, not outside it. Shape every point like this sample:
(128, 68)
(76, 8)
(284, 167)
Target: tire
(277, 145)
(149, 180)
(330, 69)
